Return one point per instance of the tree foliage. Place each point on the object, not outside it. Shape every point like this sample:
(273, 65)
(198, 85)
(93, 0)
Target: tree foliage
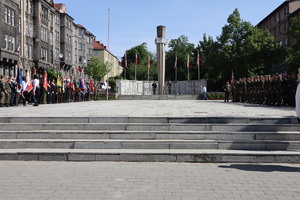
(142, 68)
(293, 57)
(96, 69)
(181, 48)
(241, 48)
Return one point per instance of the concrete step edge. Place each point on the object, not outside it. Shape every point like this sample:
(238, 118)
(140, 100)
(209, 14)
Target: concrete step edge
(140, 155)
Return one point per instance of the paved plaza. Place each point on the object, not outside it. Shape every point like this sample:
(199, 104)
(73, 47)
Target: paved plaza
(142, 181)
(150, 108)
(147, 181)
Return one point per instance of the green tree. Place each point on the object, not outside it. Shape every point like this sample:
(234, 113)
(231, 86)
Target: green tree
(181, 48)
(293, 58)
(142, 68)
(96, 69)
(242, 49)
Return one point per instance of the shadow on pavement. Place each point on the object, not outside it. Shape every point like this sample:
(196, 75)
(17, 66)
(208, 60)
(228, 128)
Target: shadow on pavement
(261, 168)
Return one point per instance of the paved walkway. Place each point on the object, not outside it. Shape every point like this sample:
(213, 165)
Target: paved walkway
(147, 181)
(142, 181)
(151, 108)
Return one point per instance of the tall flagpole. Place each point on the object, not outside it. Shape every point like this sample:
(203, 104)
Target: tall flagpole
(188, 67)
(136, 63)
(198, 64)
(108, 32)
(148, 67)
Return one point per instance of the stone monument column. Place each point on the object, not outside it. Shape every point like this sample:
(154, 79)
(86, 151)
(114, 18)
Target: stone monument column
(160, 42)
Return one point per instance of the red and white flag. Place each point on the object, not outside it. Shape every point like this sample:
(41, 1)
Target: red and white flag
(29, 85)
(188, 62)
(149, 62)
(175, 65)
(125, 60)
(45, 84)
(136, 59)
(198, 60)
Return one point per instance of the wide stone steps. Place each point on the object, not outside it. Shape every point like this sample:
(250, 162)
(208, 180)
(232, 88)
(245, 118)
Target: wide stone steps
(168, 120)
(168, 139)
(148, 144)
(149, 127)
(150, 135)
(151, 155)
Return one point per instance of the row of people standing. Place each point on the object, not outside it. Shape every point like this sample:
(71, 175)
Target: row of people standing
(38, 92)
(274, 90)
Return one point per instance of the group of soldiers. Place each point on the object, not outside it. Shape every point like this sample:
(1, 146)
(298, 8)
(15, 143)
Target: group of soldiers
(7, 87)
(12, 93)
(274, 90)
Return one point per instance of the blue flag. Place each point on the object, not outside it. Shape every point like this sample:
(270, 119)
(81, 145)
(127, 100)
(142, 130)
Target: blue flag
(19, 76)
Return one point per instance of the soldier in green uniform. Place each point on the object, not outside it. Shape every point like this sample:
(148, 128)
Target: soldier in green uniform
(8, 92)
(3, 92)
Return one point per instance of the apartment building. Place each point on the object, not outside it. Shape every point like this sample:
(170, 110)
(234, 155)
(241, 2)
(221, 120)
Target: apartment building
(10, 36)
(108, 58)
(39, 34)
(279, 21)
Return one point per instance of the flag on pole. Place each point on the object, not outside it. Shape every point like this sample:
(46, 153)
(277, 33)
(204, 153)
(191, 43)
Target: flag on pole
(19, 78)
(30, 85)
(72, 85)
(198, 60)
(45, 84)
(175, 65)
(232, 78)
(136, 59)
(149, 62)
(91, 86)
(125, 60)
(81, 84)
(188, 62)
(58, 81)
(34, 71)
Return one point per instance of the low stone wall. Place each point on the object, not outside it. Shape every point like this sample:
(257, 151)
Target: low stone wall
(131, 87)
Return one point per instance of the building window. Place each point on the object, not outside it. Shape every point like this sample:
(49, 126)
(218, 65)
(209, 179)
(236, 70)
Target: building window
(9, 16)
(5, 14)
(56, 36)
(44, 34)
(80, 46)
(13, 18)
(6, 41)
(51, 38)
(51, 18)
(44, 13)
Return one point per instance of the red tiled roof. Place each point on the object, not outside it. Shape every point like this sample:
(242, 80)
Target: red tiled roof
(80, 26)
(58, 5)
(98, 46)
(87, 32)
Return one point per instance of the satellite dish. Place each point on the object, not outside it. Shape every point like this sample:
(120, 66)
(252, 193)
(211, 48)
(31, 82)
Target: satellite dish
(61, 55)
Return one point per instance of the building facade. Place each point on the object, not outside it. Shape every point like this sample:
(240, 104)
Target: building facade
(10, 36)
(279, 21)
(36, 35)
(105, 56)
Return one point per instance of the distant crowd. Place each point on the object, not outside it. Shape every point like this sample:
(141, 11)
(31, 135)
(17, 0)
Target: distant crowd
(274, 90)
(40, 91)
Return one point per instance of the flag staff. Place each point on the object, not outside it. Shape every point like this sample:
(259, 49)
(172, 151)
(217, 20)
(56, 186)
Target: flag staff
(136, 63)
(188, 67)
(175, 67)
(198, 65)
(148, 67)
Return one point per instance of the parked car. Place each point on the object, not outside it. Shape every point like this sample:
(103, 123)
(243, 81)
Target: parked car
(104, 86)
